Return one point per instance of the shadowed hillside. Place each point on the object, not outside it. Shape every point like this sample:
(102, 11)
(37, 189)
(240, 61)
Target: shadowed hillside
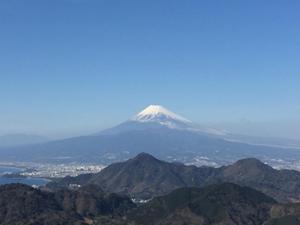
(226, 203)
(218, 204)
(144, 177)
(23, 205)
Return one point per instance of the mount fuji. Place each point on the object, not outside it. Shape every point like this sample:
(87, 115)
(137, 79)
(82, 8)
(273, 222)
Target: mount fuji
(158, 117)
(157, 131)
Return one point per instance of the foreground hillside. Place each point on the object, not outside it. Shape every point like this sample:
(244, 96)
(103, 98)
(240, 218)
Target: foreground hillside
(218, 204)
(285, 214)
(227, 204)
(144, 177)
(247, 192)
(23, 205)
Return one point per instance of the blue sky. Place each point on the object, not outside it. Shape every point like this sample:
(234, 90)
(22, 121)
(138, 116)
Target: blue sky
(70, 67)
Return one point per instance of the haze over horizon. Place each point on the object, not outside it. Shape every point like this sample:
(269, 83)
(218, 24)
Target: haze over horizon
(74, 67)
(159, 112)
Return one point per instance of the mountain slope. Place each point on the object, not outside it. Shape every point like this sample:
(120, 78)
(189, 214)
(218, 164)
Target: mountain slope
(157, 131)
(142, 177)
(283, 185)
(284, 214)
(145, 176)
(218, 204)
(23, 205)
(156, 117)
(20, 204)
(165, 143)
(226, 203)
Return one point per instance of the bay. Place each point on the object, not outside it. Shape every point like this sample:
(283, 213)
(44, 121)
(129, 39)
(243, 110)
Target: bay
(23, 180)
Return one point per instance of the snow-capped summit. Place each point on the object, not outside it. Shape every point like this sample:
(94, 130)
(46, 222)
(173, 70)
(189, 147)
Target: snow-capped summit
(153, 117)
(158, 113)
(158, 117)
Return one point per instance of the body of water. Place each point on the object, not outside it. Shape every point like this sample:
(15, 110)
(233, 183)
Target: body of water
(26, 180)
(6, 170)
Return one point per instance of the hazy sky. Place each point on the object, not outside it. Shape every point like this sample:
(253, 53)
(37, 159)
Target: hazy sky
(76, 66)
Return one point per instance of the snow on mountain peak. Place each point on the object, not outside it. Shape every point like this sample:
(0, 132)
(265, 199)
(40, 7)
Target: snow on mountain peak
(157, 113)
(157, 116)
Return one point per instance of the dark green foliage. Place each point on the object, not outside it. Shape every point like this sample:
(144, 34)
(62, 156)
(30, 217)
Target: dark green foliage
(286, 220)
(23, 205)
(226, 203)
(90, 201)
(178, 200)
(215, 204)
(144, 177)
(285, 214)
